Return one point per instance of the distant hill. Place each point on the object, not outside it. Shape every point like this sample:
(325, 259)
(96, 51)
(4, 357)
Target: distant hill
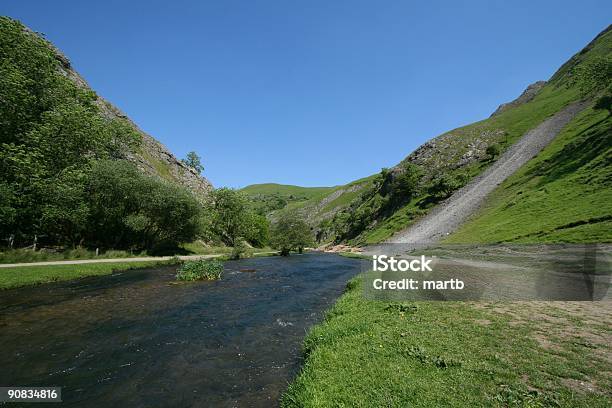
(269, 197)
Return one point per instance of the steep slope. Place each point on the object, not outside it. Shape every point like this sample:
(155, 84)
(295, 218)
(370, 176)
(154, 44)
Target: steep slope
(149, 155)
(397, 198)
(446, 217)
(562, 195)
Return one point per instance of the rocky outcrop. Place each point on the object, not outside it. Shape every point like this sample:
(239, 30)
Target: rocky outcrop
(527, 95)
(151, 156)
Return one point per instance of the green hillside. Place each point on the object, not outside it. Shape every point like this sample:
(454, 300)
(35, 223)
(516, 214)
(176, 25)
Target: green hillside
(269, 197)
(284, 190)
(562, 195)
(373, 209)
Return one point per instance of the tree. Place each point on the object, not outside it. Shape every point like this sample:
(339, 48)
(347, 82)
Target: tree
(130, 209)
(493, 150)
(258, 232)
(230, 215)
(193, 160)
(405, 184)
(291, 232)
(605, 102)
(444, 185)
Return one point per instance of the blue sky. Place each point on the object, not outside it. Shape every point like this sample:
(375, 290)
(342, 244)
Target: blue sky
(309, 92)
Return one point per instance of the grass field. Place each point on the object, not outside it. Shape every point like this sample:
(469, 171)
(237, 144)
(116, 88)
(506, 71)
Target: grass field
(442, 354)
(34, 275)
(562, 195)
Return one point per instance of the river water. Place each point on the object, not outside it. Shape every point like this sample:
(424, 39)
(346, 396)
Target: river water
(138, 339)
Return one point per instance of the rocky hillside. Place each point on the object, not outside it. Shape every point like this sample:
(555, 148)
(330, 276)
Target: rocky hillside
(371, 210)
(150, 156)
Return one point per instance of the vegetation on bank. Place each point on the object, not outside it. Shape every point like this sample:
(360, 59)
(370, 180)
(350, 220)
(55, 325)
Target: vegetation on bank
(202, 269)
(291, 233)
(34, 275)
(459, 354)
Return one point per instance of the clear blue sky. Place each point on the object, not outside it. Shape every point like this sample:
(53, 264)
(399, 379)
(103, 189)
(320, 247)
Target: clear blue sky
(309, 92)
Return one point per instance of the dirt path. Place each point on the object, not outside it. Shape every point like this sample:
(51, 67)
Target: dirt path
(112, 260)
(446, 217)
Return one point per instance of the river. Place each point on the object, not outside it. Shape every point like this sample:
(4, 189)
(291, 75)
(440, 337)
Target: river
(139, 339)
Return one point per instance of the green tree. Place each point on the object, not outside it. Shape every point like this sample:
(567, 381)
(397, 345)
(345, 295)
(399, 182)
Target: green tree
(230, 215)
(193, 160)
(290, 233)
(605, 102)
(493, 150)
(444, 185)
(130, 209)
(258, 232)
(406, 183)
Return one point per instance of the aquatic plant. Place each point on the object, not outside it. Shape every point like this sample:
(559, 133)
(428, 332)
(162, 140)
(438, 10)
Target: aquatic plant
(201, 269)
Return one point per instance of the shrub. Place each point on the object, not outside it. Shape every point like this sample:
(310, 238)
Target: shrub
(241, 250)
(444, 185)
(493, 151)
(605, 102)
(201, 269)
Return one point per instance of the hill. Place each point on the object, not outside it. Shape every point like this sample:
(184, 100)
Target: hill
(70, 162)
(268, 197)
(376, 208)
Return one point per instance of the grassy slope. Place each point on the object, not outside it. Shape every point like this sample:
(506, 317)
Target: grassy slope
(562, 195)
(513, 123)
(443, 354)
(284, 190)
(33, 275)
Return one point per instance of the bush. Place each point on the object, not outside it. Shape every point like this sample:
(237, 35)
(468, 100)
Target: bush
(201, 269)
(493, 151)
(444, 185)
(605, 102)
(241, 250)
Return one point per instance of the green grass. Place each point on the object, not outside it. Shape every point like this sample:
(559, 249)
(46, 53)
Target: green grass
(562, 195)
(284, 190)
(28, 255)
(34, 275)
(443, 354)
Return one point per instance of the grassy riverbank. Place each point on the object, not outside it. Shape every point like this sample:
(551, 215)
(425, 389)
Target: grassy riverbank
(535, 354)
(34, 275)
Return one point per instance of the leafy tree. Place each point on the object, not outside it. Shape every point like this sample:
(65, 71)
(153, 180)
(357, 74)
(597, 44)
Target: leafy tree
(193, 160)
(258, 233)
(605, 102)
(230, 215)
(291, 232)
(444, 185)
(493, 150)
(406, 183)
(130, 209)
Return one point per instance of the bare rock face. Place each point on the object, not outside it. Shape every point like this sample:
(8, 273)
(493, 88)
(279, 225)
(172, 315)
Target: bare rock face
(151, 157)
(527, 95)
